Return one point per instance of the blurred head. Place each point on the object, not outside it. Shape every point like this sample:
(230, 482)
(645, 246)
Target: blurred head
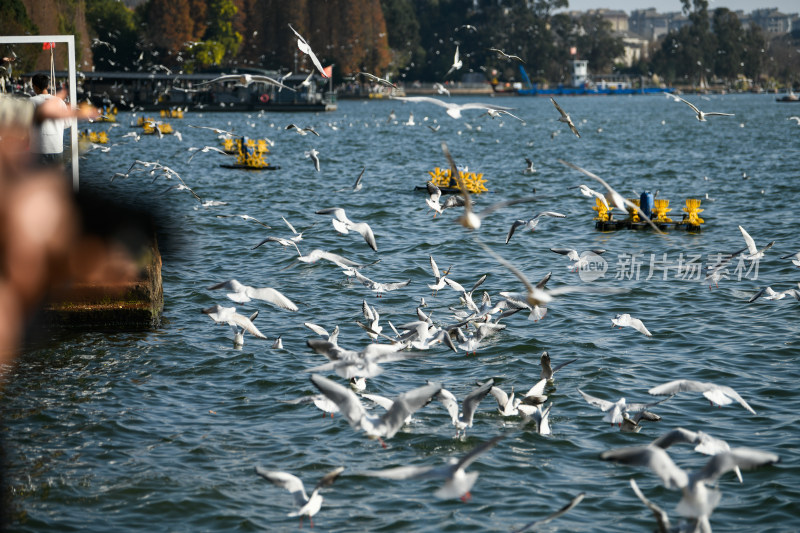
(40, 83)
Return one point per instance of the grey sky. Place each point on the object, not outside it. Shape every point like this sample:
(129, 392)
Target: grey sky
(666, 6)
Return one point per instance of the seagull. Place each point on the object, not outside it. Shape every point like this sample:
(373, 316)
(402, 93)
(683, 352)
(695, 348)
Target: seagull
(441, 89)
(470, 219)
(565, 119)
(245, 217)
(228, 315)
(701, 116)
(441, 280)
(243, 293)
(705, 443)
(548, 371)
(238, 332)
(796, 119)
(357, 185)
(772, 295)
(531, 223)
(453, 110)
(313, 154)
(306, 49)
(506, 405)
(376, 79)
(279, 240)
(302, 131)
(617, 199)
(245, 80)
(308, 506)
(795, 257)
(581, 260)
(586, 191)
(698, 500)
(615, 411)
(386, 425)
(660, 515)
(344, 225)
(380, 288)
(458, 483)
(307, 82)
(468, 406)
(537, 523)
(622, 320)
(719, 394)
(320, 401)
(215, 130)
(278, 344)
(322, 332)
(317, 254)
(457, 63)
(506, 56)
(352, 364)
(753, 253)
(529, 169)
(495, 113)
(434, 194)
(204, 149)
(372, 317)
(540, 416)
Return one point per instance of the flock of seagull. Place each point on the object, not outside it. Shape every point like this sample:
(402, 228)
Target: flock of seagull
(474, 320)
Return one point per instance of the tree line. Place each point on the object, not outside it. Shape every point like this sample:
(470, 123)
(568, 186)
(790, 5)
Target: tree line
(409, 40)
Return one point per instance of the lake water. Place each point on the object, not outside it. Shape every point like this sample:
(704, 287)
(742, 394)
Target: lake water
(161, 430)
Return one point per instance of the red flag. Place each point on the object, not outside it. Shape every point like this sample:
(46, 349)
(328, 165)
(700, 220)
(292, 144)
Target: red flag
(328, 71)
(48, 46)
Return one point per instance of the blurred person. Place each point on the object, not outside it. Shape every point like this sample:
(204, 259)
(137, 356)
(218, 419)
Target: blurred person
(47, 134)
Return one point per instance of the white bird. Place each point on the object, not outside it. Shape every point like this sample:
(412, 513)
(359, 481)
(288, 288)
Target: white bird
(228, 315)
(182, 187)
(705, 443)
(317, 254)
(506, 404)
(441, 89)
(586, 191)
(386, 425)
(615, 411)
(769, 294)
(457, 63)
(565, 118)
(441, 279)
(531, 223)
(245, 217)
(580, 260)
(302, 131)
(279, 240)
(495, 113)
(547, 370)
(308, 505)
(529, 168)
(505, 55)
(372, 317)
(205, 149)
(344, 225)
(698, 500)
(458, 483)
(700, 115)
(470, 219)
(357, 185)
(354, 364)
(753, 253)
(306, 49)
(617, 200)
(245, 80)
(380, 288)
(244, 293)
(662, 519)
(320, 401)
(796, 119)
(434, 194)
(623, 320)
(314, 155)
(410, 121)
(238, 332)
(464, 419)
(540, 416)
(795, 257)
(380, 81)
(278, 344)
(453, 110)
(537, 523)
(716, 394)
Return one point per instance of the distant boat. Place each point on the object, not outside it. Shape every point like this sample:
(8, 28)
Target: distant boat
(791, 97)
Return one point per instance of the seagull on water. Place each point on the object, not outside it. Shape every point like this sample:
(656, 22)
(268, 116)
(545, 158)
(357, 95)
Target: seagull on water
(615, 411)
(716, 394)
(468, 407)
(355, 364)
(458, 483)
(547, 370)
(308, 505)
(529, 168)
(243, 293)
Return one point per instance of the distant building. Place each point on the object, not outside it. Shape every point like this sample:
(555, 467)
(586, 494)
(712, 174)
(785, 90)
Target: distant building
(771, 20)
(635, 48)
(652, 25)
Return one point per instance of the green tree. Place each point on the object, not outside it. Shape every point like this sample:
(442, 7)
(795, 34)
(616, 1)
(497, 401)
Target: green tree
(597, 44)
(112, 23)
(14, 20)
(754, 54)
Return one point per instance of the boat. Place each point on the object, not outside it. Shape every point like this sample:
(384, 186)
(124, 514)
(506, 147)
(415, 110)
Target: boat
(791, 97)
(581, 85)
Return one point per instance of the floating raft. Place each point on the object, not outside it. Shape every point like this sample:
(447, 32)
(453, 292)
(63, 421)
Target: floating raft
(248, 167)
(474, 182)
(690, 222)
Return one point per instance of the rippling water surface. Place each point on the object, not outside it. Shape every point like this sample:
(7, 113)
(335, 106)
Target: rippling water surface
(161, 430)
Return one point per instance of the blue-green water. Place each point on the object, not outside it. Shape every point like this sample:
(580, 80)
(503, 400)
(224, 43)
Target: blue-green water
(160, 430)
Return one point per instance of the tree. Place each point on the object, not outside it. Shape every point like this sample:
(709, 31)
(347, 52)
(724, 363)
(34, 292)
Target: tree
(597, 44)
(730, 44)
(113, 23)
